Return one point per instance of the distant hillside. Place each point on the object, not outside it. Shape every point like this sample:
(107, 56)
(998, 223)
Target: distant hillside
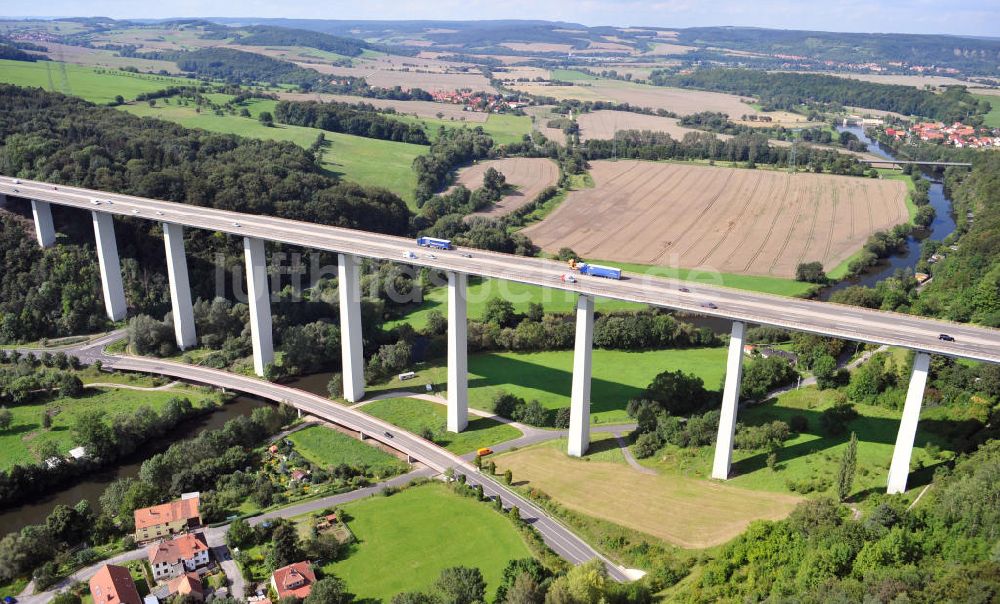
(787, 91)
(265, 35)
(968, 55)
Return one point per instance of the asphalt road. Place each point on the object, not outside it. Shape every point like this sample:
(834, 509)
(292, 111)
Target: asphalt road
(841, 321)
(560, 538)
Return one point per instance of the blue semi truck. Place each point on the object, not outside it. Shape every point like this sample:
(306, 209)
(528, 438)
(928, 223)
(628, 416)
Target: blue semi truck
(441, 244)
(596, 270)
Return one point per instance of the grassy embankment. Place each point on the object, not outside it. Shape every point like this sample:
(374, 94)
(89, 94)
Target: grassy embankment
(327, 448)
(503, 128)
(546, 376)
(363, 160)
(703, 513)
(686, 512)
(813, 457)
(406, 540)
(416, 416)
(991, 119)
(98, 85)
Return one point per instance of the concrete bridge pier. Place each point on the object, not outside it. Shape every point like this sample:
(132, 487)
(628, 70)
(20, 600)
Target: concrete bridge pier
(45, 230)
(458, 350)
(111, 269)
(579, 406)
(180, 286)
(730, 400)
(899, 470)
(259, 295)
(352, 346)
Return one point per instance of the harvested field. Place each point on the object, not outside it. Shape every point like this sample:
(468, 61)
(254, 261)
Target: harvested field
(684, 511)
(734, 221)
(529, 175)
(602, 125)
(612, 46)
(537, 47)
(680, 101)
(513, 73)
(660, 49)
(427, 109)
(385, 78)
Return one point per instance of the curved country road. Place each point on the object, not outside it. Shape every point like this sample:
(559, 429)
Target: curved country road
(556, 535)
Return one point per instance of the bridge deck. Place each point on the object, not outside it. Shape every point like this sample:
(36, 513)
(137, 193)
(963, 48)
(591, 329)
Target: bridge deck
(835, 320)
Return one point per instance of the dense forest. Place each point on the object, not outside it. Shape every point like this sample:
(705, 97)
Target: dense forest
(359, 120)
(238, 67)
(966, 285)
(263, 35)
(783, 90)
(970, 55)
(12, 53)
(51, 137)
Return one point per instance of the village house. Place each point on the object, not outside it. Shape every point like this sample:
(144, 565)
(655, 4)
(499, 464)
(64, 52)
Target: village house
(188, 584)
(293, 580)
(767, 352)
(114, 585)
(177, 556)
(167, 519)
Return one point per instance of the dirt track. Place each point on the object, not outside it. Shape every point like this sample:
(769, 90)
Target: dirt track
(529, 175)
(729, 220)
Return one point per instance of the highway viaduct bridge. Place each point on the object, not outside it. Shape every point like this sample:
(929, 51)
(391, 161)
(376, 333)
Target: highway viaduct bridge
(741, 307)
(916, 163)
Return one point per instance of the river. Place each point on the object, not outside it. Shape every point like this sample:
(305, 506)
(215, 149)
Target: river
(91, 487)
(943, 225)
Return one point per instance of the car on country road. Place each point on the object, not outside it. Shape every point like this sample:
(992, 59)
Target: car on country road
(387, 434)
(684, 290)
(484, 451)
(709, 305)
(945, 337)
(409, 254)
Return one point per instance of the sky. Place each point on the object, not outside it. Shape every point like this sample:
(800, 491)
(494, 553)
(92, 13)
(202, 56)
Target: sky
(964, 17)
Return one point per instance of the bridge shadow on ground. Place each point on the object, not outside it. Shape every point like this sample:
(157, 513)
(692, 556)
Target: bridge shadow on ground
(499, 371)
(946, 434)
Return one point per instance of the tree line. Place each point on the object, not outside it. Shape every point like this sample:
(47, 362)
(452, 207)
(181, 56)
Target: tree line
(787, 91)
(751, 148)
(359, 120)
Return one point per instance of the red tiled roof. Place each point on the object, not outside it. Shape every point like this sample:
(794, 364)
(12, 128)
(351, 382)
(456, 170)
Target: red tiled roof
(175, 550)
(181, 509)
(294, 580)
(114, 585)
(188, 583)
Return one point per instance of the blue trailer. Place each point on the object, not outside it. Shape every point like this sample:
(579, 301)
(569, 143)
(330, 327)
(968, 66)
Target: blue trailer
(441, 244)
(596, 270)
